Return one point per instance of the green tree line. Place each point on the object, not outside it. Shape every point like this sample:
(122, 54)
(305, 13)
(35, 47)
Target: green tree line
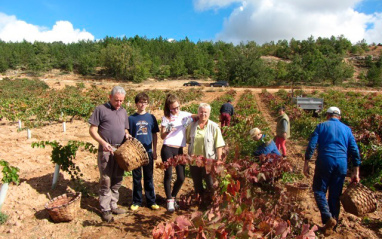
(312, 61)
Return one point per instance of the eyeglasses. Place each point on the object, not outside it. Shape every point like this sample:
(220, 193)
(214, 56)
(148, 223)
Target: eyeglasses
(174, 109)
(143, 102)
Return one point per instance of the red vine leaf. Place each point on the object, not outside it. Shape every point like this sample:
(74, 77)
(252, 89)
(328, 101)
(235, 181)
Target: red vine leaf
(183, 222)
(201, 234)
(158, 231)
(264, 226)
(307, 233)
(282, 229)
(209, 164)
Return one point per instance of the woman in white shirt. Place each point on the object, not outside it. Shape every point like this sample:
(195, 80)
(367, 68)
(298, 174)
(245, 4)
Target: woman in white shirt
(173, 130)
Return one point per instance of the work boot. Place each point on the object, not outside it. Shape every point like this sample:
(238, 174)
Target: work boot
(329, 225)
(118, 211)
(106, 216)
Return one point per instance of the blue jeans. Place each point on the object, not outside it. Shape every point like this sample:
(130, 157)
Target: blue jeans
(148, 183)
(329, 175)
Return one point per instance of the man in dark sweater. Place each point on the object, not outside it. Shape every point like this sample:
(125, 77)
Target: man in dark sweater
(226, 112)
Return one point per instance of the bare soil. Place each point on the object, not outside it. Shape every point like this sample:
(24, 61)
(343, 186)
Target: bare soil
(25, 202)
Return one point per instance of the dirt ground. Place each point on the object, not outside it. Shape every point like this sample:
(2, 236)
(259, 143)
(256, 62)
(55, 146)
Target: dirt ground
(25, 203)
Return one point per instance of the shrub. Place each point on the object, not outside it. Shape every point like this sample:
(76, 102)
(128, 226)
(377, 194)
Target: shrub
(3, 218)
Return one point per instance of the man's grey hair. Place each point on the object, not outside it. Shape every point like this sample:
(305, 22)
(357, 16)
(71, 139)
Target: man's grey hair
(118, 90)
(205, 106)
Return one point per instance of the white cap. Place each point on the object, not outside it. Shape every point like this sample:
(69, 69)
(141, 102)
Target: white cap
(333, 110)
(255, 131)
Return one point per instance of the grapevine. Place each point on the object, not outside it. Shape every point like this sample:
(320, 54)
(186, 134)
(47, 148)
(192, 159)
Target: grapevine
(10, 173)
(65, 155)
(238, 200)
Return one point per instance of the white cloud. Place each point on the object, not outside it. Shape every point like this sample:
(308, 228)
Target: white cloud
(375, 34)
(272, 20)
(207, 4)
(14, 30)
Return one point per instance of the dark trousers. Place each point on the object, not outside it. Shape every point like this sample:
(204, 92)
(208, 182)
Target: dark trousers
(329, 177)
(198, 174)
(225, 119)
(147, 181)
(166, 153)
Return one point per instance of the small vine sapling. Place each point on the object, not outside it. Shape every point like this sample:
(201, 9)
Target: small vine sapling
(10, 175)
(63, 157)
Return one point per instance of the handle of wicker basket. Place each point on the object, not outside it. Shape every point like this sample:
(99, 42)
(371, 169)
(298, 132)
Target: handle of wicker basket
(50, 198)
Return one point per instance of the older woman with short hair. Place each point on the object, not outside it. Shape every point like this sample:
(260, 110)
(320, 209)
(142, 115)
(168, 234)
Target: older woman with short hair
(205, 139)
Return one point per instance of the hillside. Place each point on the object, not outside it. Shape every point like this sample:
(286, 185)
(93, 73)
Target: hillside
(319, 62)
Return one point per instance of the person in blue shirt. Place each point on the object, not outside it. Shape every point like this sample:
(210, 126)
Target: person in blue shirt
(335, 142)
(144, 127)
(267, 146)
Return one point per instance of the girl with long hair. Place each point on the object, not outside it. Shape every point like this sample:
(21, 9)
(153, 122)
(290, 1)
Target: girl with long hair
(173, 129)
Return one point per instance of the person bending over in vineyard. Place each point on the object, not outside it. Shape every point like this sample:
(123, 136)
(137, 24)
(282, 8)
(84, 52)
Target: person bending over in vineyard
(144, 127)
(109, 127)
(226, 112)
(205, 139)
(335, 142)
(282, 130)
(173, 129)
(267, 145)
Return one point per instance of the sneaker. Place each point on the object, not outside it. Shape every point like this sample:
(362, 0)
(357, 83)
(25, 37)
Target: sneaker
(329, 226)
(134, 207)
(176, 205)
(106, 216)
(171, 205)
(154, 207)
(118, 211)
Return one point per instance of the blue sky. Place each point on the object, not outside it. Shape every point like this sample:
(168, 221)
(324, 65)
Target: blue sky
(207, 20)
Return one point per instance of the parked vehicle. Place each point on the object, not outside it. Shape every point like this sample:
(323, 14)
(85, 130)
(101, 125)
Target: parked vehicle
(311, 104)
(192, 83)
(219, 84)
(308, 103)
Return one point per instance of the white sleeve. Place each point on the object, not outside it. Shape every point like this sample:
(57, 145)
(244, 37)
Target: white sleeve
(186, 114)
(164, 121)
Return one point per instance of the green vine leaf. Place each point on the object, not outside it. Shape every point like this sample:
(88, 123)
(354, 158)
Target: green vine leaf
(10, 173)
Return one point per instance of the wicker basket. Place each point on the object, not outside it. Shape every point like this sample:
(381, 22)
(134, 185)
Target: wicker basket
(64, 208)
(131, 155)
(297, 190)
(358, 199)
